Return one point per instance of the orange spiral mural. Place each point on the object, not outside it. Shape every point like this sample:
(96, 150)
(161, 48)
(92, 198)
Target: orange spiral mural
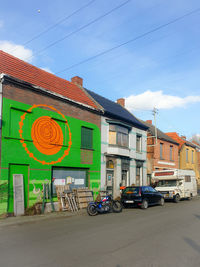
(47, 136)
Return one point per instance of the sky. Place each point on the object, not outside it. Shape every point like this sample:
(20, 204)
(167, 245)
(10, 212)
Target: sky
(147, 52)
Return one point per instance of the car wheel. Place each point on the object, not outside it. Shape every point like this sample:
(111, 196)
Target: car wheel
(145, 204)
(176, 198)
(161, 202)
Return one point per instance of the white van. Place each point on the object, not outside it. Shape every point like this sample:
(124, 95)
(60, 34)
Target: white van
(176, 184)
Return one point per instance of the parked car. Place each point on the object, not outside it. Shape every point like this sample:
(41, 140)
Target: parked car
(142, 196)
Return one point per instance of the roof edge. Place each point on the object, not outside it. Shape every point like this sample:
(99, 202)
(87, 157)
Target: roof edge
(24, 83)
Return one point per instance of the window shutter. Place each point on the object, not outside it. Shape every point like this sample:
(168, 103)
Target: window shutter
(86, 138)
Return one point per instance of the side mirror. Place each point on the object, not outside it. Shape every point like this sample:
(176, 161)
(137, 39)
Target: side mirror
(180, 183)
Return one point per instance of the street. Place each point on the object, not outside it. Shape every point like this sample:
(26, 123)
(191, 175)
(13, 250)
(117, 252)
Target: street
(159, 236)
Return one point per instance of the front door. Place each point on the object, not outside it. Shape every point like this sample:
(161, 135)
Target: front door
(124, 178)
(18, 194)
(17, 169)
(109, 181)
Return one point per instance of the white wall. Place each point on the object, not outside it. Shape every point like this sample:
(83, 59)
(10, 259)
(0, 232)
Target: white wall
(117, 151)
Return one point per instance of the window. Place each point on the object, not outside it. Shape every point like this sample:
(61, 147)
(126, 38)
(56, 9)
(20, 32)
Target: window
(192, 156)
(187, 152)
(118, 135)
(171, 153)
(161, 150)
(74, 178)
(109, 164)
(187, 178)
(86, 138)
(138, 143)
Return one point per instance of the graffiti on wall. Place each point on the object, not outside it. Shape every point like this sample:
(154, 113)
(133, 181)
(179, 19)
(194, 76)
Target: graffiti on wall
(47, 136)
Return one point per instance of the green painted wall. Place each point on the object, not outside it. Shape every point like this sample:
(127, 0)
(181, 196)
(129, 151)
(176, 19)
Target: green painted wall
(18, 149)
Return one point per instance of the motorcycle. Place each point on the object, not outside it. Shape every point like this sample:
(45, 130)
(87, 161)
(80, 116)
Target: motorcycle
(107, 204)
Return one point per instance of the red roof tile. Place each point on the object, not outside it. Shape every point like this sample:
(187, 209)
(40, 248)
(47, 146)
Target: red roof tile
(177, 138)
(24, 71)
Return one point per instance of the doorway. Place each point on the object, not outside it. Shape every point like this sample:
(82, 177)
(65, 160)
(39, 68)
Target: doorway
(109, 181)
(18, 169)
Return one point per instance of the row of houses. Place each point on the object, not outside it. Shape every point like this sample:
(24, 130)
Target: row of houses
(58, 132)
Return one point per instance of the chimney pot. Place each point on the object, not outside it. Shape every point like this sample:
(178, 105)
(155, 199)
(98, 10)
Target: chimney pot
(121, 101)
(77, 80)
(149, 121)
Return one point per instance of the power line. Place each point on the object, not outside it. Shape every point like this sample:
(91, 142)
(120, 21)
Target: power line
(131, 40)
(79, 29)
(57, 23)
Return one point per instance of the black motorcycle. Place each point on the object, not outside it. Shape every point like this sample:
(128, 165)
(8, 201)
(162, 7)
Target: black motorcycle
(107, 204)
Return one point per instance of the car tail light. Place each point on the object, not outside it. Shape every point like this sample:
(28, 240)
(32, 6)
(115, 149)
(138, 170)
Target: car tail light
(140, 192)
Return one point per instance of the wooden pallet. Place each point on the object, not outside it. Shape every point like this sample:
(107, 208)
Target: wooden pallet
(83, 197)
(60, 189)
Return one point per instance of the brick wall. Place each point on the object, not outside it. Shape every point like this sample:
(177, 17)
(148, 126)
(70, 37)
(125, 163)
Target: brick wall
(28, 96)
(153, 155)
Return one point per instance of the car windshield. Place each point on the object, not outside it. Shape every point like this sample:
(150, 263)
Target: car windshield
(131, 190)
(163, 183)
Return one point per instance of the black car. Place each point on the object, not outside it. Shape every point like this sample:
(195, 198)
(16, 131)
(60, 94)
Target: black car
(142, 196)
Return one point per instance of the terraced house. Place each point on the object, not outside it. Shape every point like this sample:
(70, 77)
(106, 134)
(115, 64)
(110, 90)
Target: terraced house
(188, 154)
(162, 150)
(50, 133)
(123, 146)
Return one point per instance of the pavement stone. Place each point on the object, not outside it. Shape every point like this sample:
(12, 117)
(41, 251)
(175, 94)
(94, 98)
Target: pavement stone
(31, 219)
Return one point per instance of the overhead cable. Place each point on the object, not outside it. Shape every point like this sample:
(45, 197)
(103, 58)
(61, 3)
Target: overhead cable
(131, 40)
(79, 29)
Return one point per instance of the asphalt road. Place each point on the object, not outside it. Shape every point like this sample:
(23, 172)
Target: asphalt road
(158, 236)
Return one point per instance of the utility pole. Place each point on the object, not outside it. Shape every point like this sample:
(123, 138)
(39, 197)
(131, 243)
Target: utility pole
(154, 112)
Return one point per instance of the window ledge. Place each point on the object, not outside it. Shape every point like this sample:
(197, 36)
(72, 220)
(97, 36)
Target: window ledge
(90, 149)
(124, 147)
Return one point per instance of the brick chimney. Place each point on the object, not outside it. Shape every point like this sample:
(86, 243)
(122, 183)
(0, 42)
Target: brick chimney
(183, 136)
(121, 101)
(149, 121)
(77, 80)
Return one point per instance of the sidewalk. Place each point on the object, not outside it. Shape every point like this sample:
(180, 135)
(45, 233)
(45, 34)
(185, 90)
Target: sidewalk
(9, 221)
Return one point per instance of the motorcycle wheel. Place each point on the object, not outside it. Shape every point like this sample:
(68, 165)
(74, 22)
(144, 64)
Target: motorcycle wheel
(117, 206)
(91, 210)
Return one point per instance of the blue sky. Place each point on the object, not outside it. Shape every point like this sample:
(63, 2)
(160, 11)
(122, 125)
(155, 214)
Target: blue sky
(160, 70)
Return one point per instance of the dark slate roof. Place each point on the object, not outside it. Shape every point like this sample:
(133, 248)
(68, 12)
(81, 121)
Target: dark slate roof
(160, 134)
(188, 143)
(116, 111)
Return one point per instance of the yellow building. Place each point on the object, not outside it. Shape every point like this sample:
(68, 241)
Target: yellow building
(188, 155)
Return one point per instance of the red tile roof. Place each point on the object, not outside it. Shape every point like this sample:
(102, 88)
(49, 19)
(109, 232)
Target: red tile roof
(179, 139)
(26, 72)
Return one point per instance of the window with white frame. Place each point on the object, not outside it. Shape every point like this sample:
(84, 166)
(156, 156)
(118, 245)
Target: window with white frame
(138, 143)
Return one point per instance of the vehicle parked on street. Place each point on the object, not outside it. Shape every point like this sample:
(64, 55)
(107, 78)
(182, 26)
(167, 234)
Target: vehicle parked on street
(107, 204)
(176, 184)
(141, 196)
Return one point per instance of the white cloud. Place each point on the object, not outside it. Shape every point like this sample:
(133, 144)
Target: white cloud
(149, 99)
(16, 50)
(47, 69)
